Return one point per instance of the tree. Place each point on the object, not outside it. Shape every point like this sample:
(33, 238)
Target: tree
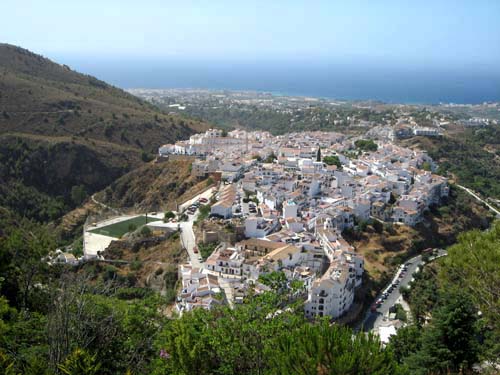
(90, 318)
(276, 280)
(271, 158)
(450, 343)
(145, 157)
(318, 154)
(78, 194)
(145, 231)
(225, 340)
(407, 341)
(332, 160)
(80, 363)
(366, 145)
(331, 349)
(169, 215)
(426, 166)
(472, 266)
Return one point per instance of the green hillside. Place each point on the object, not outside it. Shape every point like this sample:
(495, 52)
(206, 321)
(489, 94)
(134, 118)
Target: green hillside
(61, 130)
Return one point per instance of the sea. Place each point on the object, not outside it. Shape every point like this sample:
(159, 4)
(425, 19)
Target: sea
(390, 83)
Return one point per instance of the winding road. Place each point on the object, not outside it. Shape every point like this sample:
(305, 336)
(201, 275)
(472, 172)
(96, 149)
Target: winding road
(373, 320)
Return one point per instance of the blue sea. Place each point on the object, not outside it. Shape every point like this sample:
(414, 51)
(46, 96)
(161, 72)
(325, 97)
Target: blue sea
(356, 81)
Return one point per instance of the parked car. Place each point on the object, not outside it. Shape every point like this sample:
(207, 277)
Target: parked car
(195, 249)
(203, 200)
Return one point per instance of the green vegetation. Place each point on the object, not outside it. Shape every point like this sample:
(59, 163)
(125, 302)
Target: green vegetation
(145, 231)
(169, 215)
(449, 295)
(61, 138)
(472, 266)
(400, 312)
(78, 194)
(271, 158)
(78, 323)
(204, 211)
(449, 344)
(253, 117)
(117, 230)
(244, 340)
(471, 157)
(206, 249)
(366, 145)
(332, 160)
(275, 280)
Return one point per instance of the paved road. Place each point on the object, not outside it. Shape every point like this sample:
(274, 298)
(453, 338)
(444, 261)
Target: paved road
(189, 242)
(206, 194)
(188, 239)
(374, 319)
(473, 194)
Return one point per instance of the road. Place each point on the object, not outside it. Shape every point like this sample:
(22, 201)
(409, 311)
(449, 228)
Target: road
(188, 239)
(207, 194)
(473, 194)
(374, 319)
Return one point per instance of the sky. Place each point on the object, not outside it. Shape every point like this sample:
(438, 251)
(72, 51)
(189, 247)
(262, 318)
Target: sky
(440, 32)
(418, 51)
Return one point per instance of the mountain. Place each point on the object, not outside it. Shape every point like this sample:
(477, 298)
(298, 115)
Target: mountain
(64, 135)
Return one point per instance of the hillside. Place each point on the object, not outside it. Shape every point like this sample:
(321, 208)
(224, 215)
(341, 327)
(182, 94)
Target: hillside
(472, 157)
(155, 186)
(60, 129)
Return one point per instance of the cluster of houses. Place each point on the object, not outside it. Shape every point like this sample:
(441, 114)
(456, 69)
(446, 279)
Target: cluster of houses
(294, 207)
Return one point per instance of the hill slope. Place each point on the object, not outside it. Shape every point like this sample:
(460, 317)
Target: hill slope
(60, 129)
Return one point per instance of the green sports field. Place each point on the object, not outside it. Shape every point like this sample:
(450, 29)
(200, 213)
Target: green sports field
(119, 229)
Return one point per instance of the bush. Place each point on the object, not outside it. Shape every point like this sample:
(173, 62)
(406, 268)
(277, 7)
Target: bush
(145, 231)
(168, 215)
(366, 145)
(136, 265)
(400, 312)
(145, 157)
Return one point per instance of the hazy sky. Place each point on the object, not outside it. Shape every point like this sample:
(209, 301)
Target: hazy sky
(440, 32)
